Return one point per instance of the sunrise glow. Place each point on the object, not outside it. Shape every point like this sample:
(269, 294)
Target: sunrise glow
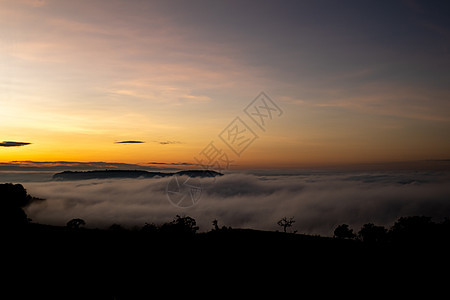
(79, 77)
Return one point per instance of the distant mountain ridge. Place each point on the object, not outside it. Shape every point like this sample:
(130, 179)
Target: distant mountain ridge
(105, 174)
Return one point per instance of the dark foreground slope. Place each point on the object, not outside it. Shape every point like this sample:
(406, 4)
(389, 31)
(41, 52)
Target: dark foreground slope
(50, 261)
(172, 260)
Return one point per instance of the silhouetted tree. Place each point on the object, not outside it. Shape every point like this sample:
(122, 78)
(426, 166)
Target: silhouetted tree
(445, 225)
(13, 198)
(443, 231)
(344, 232)
(414, 228)
(285, 223)
(75, 223)
(116, 227)
(150, 228)
(180, 225)
(371, 233)
(215, 223)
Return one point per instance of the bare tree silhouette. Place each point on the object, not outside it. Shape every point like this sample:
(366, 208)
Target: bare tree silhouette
(285, 223)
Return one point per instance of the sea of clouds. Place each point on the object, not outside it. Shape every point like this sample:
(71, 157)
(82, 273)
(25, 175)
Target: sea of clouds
(318, 201)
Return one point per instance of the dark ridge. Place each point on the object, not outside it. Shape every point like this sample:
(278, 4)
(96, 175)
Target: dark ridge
(105, 174)
(199, 173)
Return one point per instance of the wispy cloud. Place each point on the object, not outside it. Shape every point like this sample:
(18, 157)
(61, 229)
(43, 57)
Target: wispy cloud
(172, 164)
(380, 98)
(169, 142)
(33, 3)
(130, 142)
(13, 144)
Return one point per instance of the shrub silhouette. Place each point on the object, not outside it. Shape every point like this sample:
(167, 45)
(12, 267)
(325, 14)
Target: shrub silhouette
(75, 223)
(150, 228)
(117, 227)
(180, 225)
(344, 232)
(215, 223)
(414, 228)
(371, 233)
(216, 227)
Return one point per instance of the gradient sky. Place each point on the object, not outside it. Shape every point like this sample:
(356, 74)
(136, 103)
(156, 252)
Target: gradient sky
(157, 81)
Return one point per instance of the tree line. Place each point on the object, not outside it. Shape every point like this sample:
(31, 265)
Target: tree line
(405, 229)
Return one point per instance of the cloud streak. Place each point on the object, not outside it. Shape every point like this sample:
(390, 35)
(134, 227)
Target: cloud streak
(130, 142)
(13, 144)
(318, 201)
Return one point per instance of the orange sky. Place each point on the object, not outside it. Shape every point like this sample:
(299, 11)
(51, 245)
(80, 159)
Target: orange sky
(77, 78)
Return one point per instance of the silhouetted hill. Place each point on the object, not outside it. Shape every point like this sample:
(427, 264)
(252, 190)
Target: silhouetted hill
(73, 262)
(104, 174)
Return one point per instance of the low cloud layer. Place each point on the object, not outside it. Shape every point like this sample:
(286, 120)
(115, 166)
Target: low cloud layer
(318, 202)
(172, 164)
(13, 144)
(66, 165)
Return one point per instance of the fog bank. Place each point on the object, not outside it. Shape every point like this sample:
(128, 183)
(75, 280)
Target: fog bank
(318, 201)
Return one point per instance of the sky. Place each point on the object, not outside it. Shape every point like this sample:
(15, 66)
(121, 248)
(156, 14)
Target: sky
(233, 84)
